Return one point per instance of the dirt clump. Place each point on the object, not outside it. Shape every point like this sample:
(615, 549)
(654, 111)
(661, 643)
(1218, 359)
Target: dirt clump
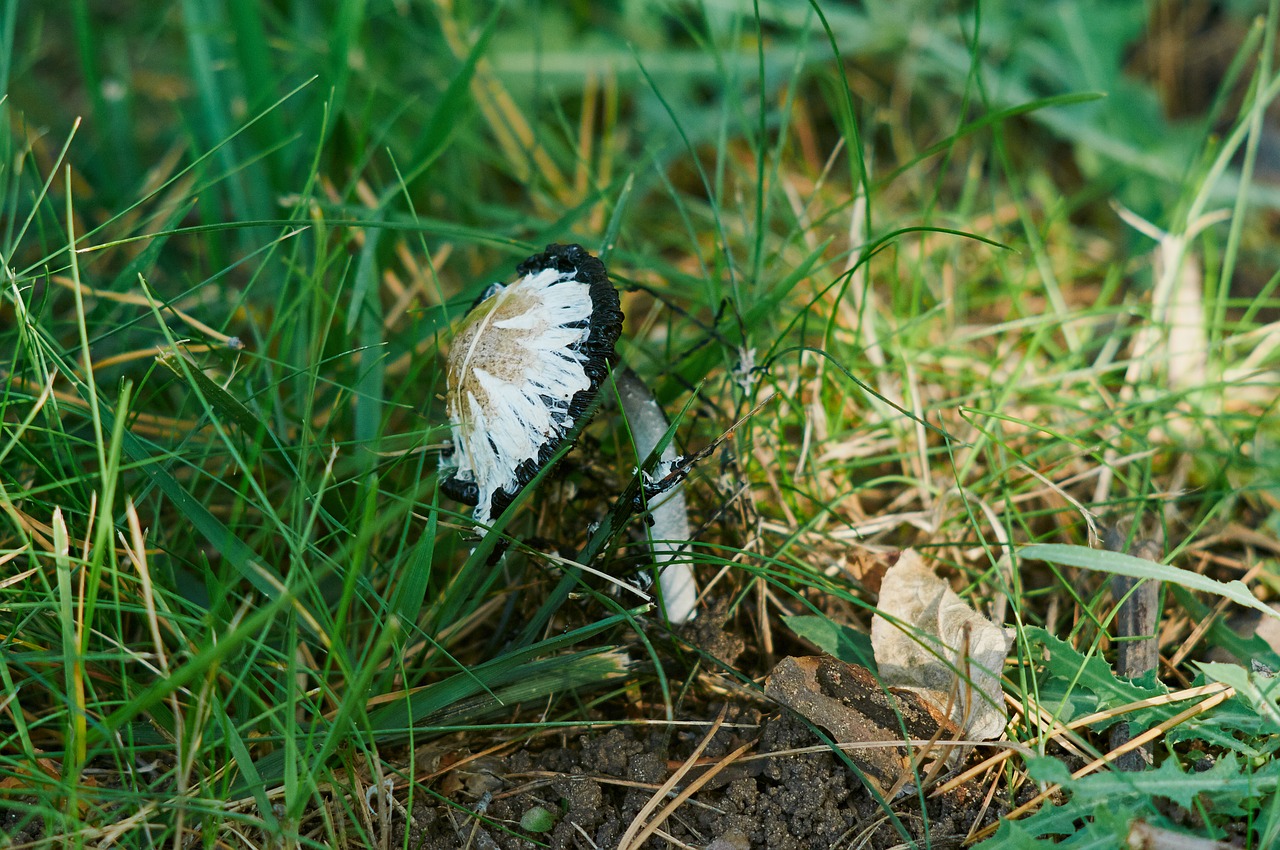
(596, 783)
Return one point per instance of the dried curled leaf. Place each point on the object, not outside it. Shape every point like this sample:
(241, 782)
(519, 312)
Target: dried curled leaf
(929, 640)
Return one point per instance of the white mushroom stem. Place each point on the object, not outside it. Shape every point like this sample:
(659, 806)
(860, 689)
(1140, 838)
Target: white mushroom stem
(676, 582)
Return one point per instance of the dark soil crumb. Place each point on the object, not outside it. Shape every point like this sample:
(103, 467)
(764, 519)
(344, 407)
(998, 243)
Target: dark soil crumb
(595, 784)
(21, 823)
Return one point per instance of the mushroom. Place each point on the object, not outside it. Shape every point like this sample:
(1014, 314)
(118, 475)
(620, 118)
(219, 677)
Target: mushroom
(525, 366)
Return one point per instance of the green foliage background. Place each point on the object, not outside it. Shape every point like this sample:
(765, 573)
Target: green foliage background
(235, 234)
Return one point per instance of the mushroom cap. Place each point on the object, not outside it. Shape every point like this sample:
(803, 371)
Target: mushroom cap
(524, 367)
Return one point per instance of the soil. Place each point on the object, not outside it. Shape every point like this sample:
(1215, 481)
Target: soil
(595, 784)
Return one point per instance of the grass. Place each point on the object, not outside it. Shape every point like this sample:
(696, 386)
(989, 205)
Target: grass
(235, 238)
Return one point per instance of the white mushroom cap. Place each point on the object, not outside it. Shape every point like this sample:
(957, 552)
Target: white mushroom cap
(524, 367)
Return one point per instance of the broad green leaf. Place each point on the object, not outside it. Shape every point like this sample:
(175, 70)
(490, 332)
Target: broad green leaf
(1118, 563)
(845, 643)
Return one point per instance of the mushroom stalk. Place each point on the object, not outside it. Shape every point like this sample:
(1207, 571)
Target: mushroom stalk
(670, 513)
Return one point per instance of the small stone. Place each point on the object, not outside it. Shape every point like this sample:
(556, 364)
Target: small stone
(733, 839)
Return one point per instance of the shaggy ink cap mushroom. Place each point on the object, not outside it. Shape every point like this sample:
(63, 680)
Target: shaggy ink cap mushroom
(525, 366)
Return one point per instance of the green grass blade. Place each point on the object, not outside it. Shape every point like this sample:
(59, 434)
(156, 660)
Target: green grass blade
(1118, 563)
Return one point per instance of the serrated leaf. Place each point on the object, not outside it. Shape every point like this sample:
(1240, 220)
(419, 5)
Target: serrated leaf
(1048, 820)
(1066, 700)
(1228, 784)
(1107, 829)
(1232, 726)
(1064, 662)
(1109, 802)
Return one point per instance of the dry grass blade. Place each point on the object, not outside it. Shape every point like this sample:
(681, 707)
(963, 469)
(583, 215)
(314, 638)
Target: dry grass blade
(137, 553)
(671, 783)
(636, 824)
(505, 119)
(682, 797)
(144, 301)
